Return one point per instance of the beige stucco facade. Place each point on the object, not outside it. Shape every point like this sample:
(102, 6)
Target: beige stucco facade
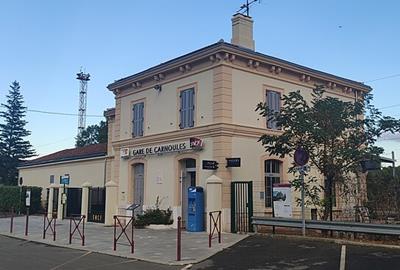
(80, 171)
(229, 83)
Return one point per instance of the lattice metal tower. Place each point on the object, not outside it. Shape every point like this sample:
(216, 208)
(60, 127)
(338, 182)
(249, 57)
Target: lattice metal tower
(83, 83)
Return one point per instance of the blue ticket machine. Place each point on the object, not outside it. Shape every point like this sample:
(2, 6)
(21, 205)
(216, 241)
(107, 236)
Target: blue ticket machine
(195, 221)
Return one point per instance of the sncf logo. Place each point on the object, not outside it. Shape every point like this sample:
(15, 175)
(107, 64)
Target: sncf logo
(196, 143)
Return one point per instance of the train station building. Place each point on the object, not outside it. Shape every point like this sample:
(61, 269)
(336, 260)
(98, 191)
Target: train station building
(191, 121)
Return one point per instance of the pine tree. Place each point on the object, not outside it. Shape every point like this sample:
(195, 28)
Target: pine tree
(13, 147)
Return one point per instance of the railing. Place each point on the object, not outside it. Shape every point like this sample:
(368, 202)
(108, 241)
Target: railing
(77, 221)
(353, 227)
(51, 224)
(178, 239)
(215, 226)
(117, 220)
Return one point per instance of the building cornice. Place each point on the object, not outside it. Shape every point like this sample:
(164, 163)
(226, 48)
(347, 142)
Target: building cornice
(212, 130)
(220, 53)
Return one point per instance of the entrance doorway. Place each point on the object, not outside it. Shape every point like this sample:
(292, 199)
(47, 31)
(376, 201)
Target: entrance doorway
(138, 186)
(188, 179)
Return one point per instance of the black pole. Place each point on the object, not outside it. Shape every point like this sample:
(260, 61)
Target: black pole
(272, 202)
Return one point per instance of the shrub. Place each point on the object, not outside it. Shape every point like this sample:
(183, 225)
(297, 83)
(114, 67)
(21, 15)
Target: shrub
(9, 197)
(14, 196)
(155, 216)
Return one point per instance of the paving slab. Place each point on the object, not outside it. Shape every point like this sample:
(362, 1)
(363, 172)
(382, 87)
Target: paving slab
(151, 245)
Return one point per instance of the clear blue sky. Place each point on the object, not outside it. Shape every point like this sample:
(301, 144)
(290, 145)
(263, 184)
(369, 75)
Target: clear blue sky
(44, 44)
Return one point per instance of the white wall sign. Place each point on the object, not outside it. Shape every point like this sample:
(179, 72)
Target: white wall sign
(28, 198)
(282, 197)
(190, 144)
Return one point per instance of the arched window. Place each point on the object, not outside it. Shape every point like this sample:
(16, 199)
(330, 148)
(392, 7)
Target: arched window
(272, 169)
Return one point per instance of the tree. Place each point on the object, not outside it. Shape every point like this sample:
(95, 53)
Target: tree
(383, 193)
(93, 134)
(13, 146)
(338, 135)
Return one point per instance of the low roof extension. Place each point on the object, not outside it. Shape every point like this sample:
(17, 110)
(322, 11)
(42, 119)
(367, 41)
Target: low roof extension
(90, 151)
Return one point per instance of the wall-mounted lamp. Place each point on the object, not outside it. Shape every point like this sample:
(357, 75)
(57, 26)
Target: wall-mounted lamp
(157, 87)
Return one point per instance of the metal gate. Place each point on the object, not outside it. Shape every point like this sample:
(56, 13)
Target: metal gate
(74, 201)
(241, 206)
(97, 203)
(55, 200)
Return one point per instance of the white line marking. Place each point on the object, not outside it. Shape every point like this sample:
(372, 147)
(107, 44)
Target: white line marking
(343, 258)
(72, 260)
(187, 267)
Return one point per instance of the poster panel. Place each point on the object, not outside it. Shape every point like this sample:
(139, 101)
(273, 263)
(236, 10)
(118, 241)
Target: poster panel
(282, 197)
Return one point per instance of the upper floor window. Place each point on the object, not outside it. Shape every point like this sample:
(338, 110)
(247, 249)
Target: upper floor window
(51, 179)
(186, 110)
(274, 105)
(137, 119)
(272, 169)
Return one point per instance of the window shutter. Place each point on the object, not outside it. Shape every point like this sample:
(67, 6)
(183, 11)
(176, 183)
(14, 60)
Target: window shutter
(182, 110)
(274, 105)
(270, 107)
(133, 120)
(140, 119)
(191, 107)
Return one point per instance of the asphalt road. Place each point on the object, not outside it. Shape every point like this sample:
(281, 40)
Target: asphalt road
(255, 252)
(272, 253)
(23, 255)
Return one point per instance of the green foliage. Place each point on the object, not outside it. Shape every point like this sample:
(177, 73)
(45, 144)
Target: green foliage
(337, 134)
(384, 193)
(14, 196)
(93, 134)
(10, 197)
(155, 216)
(13, 147)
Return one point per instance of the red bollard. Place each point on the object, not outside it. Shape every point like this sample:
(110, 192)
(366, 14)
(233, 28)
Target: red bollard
(178, 245)
(54, 233)
(44, 225)
(115, 233)
(83, 230)
(12, 220)
(27, 221)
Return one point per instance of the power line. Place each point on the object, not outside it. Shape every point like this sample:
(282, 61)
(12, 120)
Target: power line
(391, 106)
(62, 113)
(383, 78)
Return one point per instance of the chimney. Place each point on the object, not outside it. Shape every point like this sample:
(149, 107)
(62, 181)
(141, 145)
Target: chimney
(242, 31)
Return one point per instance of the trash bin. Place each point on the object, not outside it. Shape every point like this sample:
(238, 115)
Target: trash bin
(195, 220)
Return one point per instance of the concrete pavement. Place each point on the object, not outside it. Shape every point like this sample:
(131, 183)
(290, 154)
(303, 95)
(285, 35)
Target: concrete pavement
(151, 245)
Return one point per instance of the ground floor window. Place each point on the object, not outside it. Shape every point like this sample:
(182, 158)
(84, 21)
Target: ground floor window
(272, 169)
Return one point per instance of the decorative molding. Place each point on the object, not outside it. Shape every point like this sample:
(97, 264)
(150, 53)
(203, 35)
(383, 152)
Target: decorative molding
(242, 59)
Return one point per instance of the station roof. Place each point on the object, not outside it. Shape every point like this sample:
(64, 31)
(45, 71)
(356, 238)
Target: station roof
(89, 151)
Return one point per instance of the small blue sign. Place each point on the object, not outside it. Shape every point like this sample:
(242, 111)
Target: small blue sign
(64, 181)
